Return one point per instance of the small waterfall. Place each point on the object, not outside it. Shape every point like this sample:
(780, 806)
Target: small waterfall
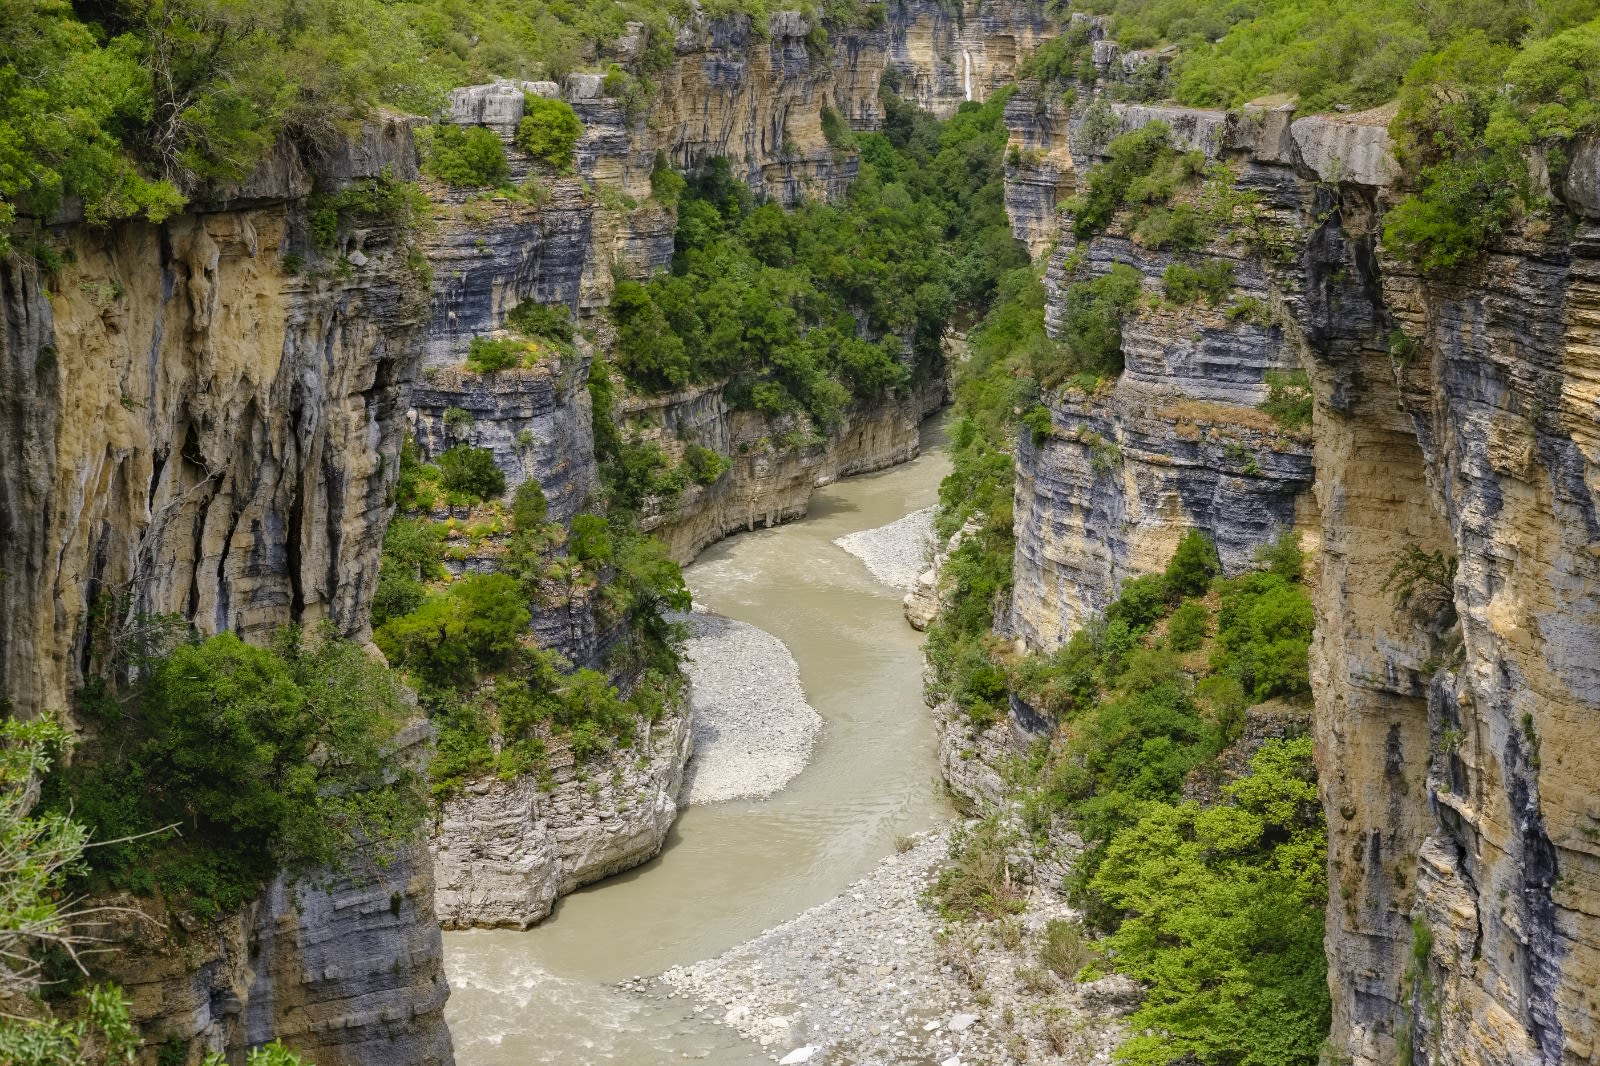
(966, 74)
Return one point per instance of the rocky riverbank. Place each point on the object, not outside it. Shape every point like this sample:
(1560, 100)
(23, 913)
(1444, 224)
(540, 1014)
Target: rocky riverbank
(753, 729)
(875, 975)
(896, 554)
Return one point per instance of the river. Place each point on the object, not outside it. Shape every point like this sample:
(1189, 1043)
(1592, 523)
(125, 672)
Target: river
(731, 870)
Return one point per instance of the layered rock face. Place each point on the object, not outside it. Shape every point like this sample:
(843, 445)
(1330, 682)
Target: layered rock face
(1177, 442)
(771, 480)
(201, 425)
(1452, 416)
(942, 57)
(204, 418)
(504, 851)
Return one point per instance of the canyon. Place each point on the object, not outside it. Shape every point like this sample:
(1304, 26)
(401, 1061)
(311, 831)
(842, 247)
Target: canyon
(205, 418)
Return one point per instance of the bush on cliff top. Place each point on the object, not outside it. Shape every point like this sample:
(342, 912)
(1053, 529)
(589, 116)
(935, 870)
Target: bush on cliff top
(262, 757)
(463, 156)
(549, 131)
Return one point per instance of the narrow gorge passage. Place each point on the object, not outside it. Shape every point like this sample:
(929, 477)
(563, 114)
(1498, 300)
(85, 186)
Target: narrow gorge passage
(730, 870)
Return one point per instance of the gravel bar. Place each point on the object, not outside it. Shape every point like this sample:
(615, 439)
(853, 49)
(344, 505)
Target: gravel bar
(897, 553)
(875, 976)
(753, 729)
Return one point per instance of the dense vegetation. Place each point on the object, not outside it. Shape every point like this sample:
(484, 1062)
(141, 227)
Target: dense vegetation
(227, 762)
(808, 310)
(133, 107)
(1216, 908)
(496, 698)
(1484, 89)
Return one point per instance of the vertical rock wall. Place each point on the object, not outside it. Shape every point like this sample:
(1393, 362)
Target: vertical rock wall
(1177, 441)
(1453, 415)
(204, 418)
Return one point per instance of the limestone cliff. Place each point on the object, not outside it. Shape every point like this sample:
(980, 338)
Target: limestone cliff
(943, 54)
(771, 479)
(1177, 441)
(203, 418)
(504, 851)
(1453, 415)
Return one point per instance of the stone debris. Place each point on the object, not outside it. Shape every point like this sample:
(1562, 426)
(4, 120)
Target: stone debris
(753, 729)
(897, 553)
(874, 975)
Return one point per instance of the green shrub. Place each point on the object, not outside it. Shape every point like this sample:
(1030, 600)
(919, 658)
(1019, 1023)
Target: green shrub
(457, 420)
(1064, 951)
(1194, 563)
(412, 555)
(529, 508)
(470, 156)
(1188, 626)
(666, 184)
(1283, 556)
(1289, 398)
(471, 627)
(1038, 423)
(1141, 603)
(485, 355)
(1264, 635)
(549, 131)
(591, 540)
(978, 882)
(472, 472)
(535, 319)
(836, 131)
(1185, 284)
(705, 465)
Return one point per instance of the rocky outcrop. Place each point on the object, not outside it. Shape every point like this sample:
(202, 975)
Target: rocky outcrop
(204, 418)
(1452, 415)
(504, 851)
(1177, 440)
(942, 55)
(772, 478)
(1040, 173)
(345, 967)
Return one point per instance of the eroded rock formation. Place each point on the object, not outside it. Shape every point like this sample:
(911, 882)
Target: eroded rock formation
(204, 418)
(1452, 415)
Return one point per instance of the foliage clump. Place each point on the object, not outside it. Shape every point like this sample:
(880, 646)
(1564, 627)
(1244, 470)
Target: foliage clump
(471, 472)
(1289, 398)
(549, 131)
(266, 757)
(463, 156)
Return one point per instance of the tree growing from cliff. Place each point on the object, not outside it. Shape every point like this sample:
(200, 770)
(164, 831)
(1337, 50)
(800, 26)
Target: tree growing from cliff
(262, 757)
(549, 131)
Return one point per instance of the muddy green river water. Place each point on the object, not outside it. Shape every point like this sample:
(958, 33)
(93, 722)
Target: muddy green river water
(731, 870)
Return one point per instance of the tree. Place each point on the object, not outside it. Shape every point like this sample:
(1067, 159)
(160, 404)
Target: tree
(549, 131)
(1192, 566)
(472, 471)
(1221, 918)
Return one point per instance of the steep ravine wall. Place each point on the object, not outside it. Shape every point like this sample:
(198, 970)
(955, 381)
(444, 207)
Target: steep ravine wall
(1455, 761)
(505, 850)
(769, 481)
(204, 418)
